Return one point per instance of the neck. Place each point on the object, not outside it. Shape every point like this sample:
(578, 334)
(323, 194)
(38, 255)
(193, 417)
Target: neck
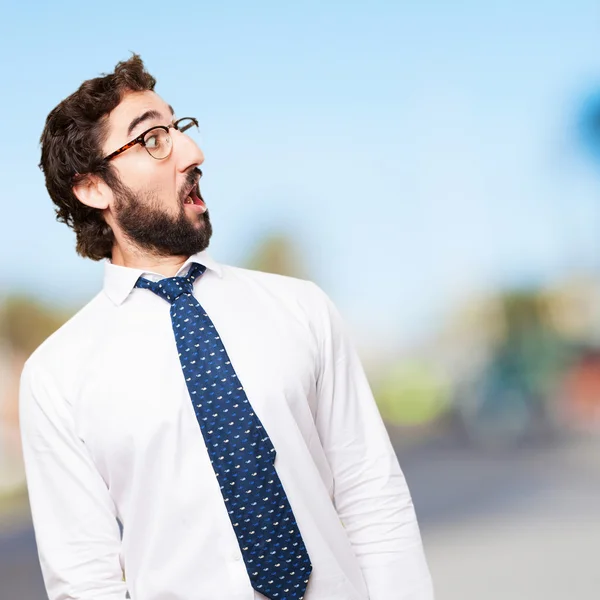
(137, 259)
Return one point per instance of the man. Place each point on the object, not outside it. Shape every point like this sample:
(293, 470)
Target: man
(197, 431)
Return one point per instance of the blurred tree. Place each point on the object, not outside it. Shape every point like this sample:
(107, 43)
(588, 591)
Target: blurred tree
(588, 126)
(25, 323)
(277, 253)
(513, 393)
(530, 345)
(412, 393)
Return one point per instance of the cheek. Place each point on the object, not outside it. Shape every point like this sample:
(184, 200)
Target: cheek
(152, 187)
(145, 175)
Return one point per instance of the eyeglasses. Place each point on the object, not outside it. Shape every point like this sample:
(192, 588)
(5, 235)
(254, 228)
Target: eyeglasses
(157, 140)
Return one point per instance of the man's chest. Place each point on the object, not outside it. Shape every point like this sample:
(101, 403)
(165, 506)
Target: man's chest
(132, 402)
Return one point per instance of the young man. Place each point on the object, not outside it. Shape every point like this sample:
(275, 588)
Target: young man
(220, 415)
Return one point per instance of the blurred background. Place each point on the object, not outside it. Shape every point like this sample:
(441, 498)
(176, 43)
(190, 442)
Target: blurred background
(435, 168)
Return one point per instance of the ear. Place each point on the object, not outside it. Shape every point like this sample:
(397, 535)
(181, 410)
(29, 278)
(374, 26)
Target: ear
(92, 191)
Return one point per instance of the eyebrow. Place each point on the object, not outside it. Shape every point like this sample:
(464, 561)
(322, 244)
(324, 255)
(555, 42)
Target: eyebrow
(149, 114)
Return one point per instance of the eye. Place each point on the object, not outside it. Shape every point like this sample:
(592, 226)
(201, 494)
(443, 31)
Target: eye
(153, 140)
(158, 143)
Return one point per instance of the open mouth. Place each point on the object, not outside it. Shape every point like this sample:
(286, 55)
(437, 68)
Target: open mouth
(194, 198)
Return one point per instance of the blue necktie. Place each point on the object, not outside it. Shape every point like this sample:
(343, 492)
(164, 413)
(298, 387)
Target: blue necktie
(239, 448)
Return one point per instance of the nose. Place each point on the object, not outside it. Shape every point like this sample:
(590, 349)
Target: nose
(187, 152)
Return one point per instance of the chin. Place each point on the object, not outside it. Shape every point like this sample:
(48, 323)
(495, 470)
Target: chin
(201, 220)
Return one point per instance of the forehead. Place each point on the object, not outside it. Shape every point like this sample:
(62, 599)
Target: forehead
(132, 106)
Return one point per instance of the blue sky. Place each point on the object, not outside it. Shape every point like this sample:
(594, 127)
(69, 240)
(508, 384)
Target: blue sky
(418, 152)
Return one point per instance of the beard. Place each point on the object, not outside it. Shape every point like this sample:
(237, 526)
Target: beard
(147, 226)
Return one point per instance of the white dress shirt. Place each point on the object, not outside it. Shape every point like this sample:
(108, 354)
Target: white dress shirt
(109, 432)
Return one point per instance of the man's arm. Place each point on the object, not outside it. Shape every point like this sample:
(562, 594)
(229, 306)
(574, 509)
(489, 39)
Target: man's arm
(74, 517)
(370, 492)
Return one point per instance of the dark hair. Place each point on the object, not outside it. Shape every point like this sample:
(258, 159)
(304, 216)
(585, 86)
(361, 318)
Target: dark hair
(71, 146)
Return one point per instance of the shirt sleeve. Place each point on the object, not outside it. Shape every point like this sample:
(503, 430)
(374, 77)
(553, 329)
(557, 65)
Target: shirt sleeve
(74, 517)
(370, 492)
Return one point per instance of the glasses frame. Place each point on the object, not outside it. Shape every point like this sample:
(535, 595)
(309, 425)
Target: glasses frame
(140, 138)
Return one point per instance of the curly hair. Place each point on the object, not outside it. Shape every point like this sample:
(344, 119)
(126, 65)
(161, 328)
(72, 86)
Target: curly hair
(71, 144)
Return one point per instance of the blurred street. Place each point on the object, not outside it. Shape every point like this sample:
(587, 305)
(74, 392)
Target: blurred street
(523, 525)
(520, 524)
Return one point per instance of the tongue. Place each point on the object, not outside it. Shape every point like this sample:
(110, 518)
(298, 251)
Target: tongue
(195, 198)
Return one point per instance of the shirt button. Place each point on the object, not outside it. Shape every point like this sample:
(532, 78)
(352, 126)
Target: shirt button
(236, 555)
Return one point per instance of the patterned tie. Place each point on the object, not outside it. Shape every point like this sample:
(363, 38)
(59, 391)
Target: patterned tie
(239, 448)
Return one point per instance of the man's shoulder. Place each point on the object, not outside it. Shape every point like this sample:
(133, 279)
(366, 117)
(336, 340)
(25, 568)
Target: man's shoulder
(300, 297)
(69, 339)
(272, 281)
(285, 287)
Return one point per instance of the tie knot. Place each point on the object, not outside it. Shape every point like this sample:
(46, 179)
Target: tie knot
(170, 288)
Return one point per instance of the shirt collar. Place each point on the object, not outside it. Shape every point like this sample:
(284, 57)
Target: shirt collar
(119, 281)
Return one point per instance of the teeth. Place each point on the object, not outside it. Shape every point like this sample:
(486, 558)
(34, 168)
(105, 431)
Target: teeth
(188, 200)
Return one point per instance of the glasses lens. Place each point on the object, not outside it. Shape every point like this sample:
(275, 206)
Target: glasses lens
(158, 143)
(188, 126)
